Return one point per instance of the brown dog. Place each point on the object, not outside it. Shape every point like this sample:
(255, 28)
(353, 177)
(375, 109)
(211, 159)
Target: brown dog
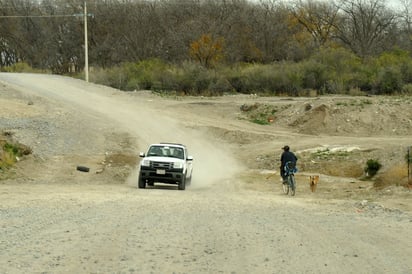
(313, 182)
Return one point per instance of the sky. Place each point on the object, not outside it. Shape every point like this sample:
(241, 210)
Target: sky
(394, 3)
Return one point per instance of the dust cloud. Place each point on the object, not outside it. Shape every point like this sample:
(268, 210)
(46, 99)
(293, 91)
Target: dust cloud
(212, 161)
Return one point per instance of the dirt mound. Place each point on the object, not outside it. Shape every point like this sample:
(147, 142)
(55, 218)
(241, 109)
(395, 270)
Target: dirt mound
(314, 121)
(343, 116)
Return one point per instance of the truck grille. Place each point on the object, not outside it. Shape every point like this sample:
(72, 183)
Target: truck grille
(162, 165)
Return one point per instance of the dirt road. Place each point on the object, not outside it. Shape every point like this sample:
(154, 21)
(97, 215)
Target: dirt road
(54, 219)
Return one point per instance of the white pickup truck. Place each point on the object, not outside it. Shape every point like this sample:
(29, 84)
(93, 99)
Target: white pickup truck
(165, 163)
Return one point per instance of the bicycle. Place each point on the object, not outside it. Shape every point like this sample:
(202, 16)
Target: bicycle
(290, 185)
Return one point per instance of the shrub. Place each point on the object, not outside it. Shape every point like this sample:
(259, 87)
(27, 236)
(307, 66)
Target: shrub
(276, 78)
(389, 80)
(7, 159)
(219, 86)
(20, 67)
(116, 78)
(314, 75)
(406, 71)
(372, 167)
(361, 79)
(144, 74)
(286, 78)
(9, 152)
(407, 89)
(331, 70)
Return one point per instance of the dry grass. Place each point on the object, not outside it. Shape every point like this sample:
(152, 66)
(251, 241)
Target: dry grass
(341, 167)
(9, 151)
(7, 159)
(396, 175)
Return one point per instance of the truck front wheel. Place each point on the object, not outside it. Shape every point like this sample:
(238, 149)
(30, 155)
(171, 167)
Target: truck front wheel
(142, 182)
(182, 183)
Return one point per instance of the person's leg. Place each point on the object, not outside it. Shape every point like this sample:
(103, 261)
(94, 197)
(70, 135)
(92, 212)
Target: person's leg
(282, 174)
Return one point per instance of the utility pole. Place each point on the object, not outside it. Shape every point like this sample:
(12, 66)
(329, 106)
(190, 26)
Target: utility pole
(86, 53)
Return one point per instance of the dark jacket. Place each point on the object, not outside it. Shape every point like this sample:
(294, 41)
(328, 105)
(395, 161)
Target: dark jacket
(287, 156)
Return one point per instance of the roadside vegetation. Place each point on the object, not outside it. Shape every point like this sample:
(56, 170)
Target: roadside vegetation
(312, 77)
(321, 75)
(11, 152)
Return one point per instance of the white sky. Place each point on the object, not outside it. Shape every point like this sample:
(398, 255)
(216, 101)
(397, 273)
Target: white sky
(393, 3)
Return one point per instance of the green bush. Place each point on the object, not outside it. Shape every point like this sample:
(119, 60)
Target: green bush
(407, 89)
(372, 167)
(237, 77)
(330, 71)
(339, 60)
(9, 152)
(314, 75)
(274, 79)
(286, 78)
(20, 67)
(255, 78)
(219, 86)
(131, 76)
(389, 81)
(406, 70)
(236, 82)
(142, 75)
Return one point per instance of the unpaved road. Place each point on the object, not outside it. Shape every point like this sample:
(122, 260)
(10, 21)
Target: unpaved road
(54, 219)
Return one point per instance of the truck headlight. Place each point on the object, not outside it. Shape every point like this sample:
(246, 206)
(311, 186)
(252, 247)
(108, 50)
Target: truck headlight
(177, 165)
(145, 162)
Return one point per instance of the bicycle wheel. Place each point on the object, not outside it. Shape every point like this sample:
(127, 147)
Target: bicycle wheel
(292, 185)
(286, 187)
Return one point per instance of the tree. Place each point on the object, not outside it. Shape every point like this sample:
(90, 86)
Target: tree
(207, 51)
(365, 26)
(405, 24)
(318, 18)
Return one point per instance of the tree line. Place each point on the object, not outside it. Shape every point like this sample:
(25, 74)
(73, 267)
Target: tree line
(49, 34)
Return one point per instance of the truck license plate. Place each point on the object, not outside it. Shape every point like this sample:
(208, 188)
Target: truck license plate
(161, 171)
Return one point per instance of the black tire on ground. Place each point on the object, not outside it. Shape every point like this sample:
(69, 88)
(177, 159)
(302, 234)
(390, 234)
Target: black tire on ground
(182, 183)
(142, 182)
(83, 168)
(150, 183)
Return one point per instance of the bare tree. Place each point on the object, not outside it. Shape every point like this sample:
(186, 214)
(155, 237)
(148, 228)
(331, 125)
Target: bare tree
(405, 24)
(365, 26)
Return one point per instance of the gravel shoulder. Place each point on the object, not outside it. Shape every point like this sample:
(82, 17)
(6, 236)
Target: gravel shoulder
(55, 219)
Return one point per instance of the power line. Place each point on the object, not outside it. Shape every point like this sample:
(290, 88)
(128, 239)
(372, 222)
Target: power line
(39, 16)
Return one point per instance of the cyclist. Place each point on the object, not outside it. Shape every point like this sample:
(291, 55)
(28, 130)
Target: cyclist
(287, 156)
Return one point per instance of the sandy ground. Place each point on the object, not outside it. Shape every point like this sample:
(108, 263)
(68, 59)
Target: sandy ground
(234, 217)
